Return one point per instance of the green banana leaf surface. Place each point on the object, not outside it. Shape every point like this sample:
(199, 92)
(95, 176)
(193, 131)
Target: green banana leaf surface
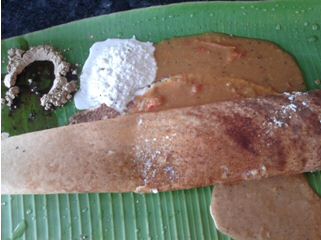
(292, 24)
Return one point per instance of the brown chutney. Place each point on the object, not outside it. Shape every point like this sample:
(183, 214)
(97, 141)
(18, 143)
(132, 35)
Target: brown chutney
(214, 67)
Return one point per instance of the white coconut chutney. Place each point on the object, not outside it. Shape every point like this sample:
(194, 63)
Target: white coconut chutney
(115, 72)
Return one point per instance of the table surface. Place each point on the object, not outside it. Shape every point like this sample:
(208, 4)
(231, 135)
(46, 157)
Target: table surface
(19, 18)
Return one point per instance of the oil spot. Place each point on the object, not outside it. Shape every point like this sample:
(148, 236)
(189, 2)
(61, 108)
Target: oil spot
(242, 130)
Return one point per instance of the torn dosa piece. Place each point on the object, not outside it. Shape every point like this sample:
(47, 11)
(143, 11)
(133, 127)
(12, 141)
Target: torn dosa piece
(283, 207)
(169, 150)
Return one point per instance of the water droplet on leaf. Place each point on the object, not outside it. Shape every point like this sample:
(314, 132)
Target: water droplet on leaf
(315, 26)
(19, 230)
(312, 39)
(29, 211)
(84, 210)
(83, 236)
